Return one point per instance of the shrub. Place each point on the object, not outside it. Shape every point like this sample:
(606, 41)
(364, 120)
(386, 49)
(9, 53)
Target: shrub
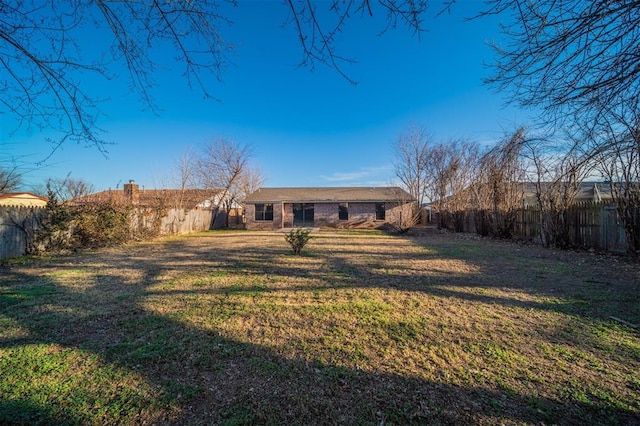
(102, 225)
(53, 233)
(68, 227)
(65, 226)
(297, 238)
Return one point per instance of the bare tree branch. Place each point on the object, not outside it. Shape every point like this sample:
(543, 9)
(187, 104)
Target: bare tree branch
(44, 62)
(318, 37)
(68, 188)
(574, 59)
(10, 178)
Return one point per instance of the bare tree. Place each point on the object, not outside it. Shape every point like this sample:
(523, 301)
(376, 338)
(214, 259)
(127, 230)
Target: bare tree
(452, 169)
(224, 168)
(185, 174)
(556, 175)
(411, 156)
(499, 191)
(250, 181)
(69, 188)
(438, 173)
(46, 65)
(317, 36)
(619, 162)
(578, 61)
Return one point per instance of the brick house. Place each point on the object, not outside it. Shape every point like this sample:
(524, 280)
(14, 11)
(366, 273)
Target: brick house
(344, 207)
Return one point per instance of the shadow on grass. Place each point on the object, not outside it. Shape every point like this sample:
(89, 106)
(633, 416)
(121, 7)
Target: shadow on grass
(197, 376)
(25, 413)
(351, 263)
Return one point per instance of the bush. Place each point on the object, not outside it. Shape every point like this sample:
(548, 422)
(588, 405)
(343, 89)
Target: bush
(53, 233)
(297, 238)
(68, 227)
(102, 225)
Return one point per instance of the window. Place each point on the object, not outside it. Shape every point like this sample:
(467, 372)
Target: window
(264, 211)
(343, 211)
(380, 211)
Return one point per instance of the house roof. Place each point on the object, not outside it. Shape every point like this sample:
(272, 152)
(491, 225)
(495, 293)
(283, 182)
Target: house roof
(586, 191)
(21, 199)
(328, 195)
(188, 199)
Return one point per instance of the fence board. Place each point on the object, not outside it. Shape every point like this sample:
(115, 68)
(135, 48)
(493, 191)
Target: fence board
(614, 233)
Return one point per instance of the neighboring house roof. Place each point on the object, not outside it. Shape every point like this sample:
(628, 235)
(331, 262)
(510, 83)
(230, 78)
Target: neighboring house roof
(594, 191)
(22, 199)
(132, 194)
(328, 195)
(586, 191)
(152, 197)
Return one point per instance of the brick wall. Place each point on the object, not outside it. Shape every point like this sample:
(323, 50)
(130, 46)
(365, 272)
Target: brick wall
(252, 223)
(326, 214)
(288, 215)
(398, 214)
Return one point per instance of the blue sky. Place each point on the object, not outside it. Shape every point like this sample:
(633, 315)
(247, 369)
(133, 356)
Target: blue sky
(306, 128)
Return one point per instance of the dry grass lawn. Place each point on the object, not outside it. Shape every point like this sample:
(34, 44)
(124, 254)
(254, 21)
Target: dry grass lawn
(364, 328)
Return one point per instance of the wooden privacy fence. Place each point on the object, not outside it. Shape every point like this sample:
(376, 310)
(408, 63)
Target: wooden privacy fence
(591, 225)
(17, 225)
(179, 221)
(596, 225)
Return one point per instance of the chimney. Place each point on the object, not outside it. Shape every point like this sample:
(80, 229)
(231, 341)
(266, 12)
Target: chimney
(131, 192)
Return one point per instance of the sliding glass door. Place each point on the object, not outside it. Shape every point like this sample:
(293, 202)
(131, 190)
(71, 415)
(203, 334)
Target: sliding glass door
(303, 214)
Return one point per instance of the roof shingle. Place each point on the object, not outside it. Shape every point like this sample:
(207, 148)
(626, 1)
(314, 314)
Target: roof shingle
(188, 199)
(329, 195)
